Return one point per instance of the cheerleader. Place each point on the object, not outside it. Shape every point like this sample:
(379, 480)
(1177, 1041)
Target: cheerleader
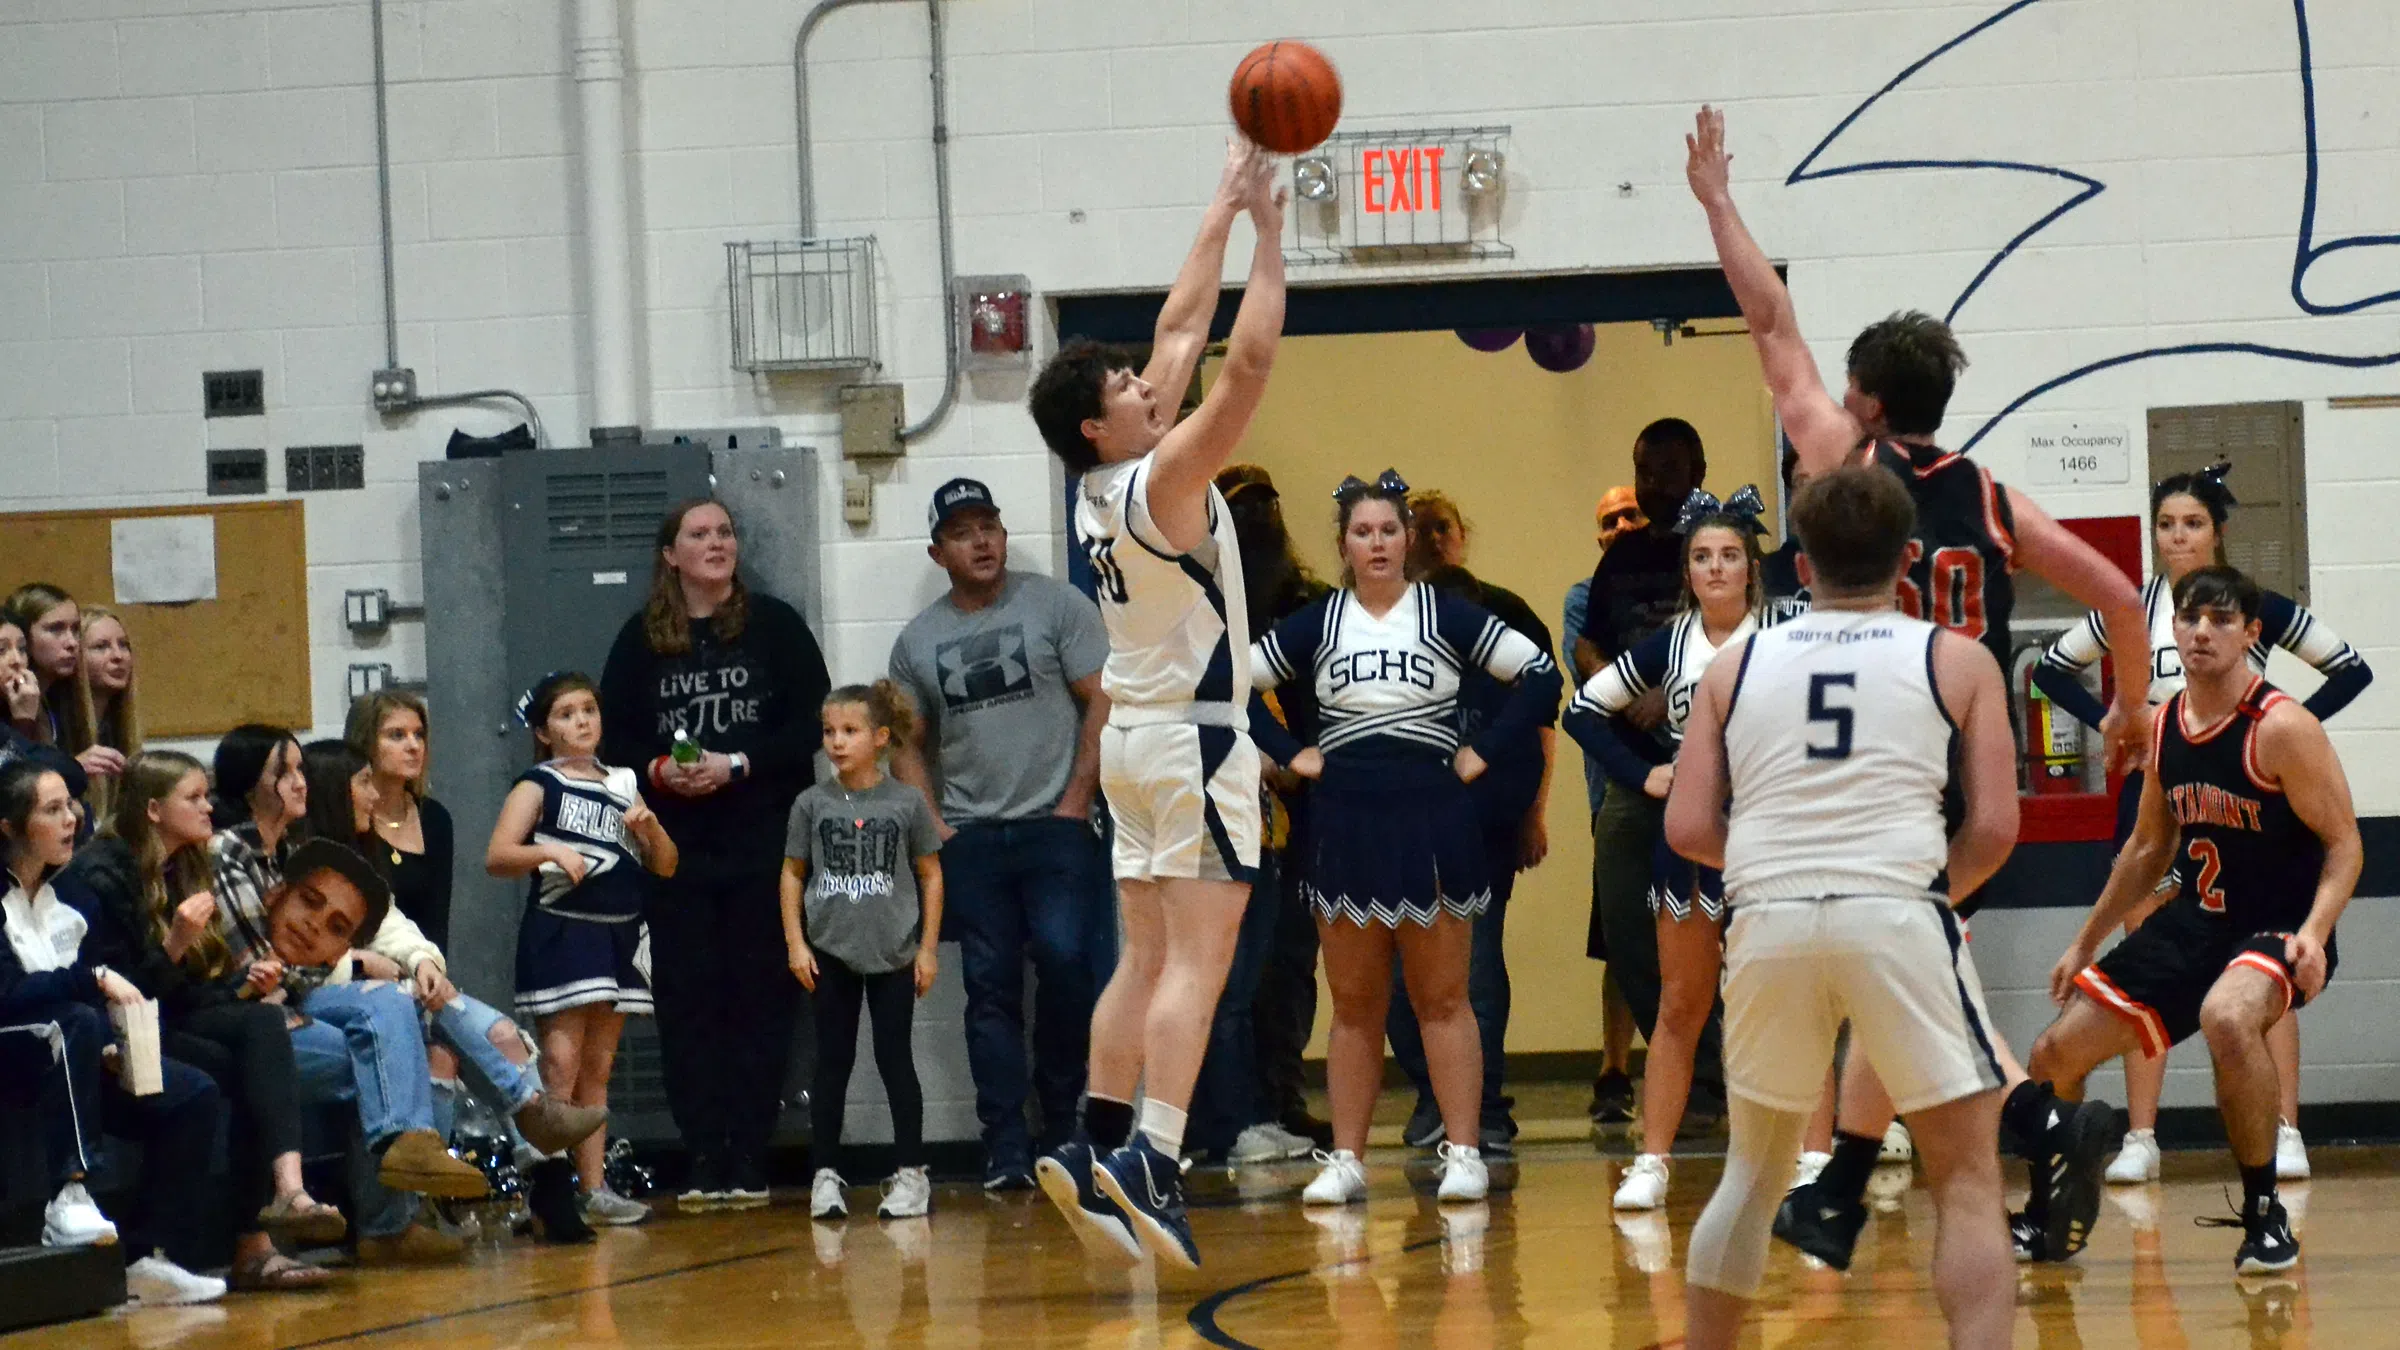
(1393, 859)
(580, 830)
(1722, 597)
(2187, 526)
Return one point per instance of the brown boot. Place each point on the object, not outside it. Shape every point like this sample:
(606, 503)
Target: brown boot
(417, 1162)
(415, 1245)
(553, 1126)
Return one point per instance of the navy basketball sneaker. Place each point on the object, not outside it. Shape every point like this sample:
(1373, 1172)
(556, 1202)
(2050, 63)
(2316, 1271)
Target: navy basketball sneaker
(1148, 1186)
(1066, 1177)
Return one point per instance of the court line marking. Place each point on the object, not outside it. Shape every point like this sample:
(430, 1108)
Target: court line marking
(531, 1299)
(1203, 1316)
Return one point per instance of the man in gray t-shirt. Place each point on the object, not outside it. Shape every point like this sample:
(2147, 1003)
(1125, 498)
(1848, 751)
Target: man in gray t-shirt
(1006, 672)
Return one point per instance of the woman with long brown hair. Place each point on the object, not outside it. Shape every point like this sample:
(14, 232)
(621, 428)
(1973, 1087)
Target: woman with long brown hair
(53, 629)
(414, 842)
(712, 692)
(109, 686)
(146, 881)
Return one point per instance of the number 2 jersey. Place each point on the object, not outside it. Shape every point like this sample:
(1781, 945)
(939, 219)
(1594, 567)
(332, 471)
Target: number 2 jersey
(1961, 581)
(1837, 749)
(2244, 852)
(1178, 623)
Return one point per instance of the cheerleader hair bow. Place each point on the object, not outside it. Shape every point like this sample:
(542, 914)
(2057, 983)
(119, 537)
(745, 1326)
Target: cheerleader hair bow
(2214, 476)
(525, 700)
(1745, 506)
(1389, 483)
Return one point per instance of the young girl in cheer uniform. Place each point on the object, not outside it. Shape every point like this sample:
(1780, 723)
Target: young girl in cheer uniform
(1722, 602)
(580, 829)
(862, 912)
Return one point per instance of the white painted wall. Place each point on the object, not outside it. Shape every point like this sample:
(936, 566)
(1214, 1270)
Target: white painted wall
(189, 184)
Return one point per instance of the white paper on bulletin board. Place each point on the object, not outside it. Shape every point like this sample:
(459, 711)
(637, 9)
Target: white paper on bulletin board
(163, 560)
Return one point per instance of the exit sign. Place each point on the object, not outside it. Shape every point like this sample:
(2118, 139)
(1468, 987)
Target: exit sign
(1401, 180)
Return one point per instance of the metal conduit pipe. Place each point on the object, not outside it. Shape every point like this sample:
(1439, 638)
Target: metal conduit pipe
(941, 185)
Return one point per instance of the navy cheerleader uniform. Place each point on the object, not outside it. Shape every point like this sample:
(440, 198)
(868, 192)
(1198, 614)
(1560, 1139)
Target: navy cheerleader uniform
(1392, 836)
(584, 943)
(1673, 659)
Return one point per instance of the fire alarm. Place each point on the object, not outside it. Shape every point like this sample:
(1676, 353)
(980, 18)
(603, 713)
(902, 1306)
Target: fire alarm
(996, 313)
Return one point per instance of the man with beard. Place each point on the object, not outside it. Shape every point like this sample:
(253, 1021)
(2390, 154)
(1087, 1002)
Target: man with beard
(1004, 669)
(1250, 1106)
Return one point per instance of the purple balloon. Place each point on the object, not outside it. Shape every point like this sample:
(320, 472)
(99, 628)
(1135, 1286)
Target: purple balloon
(1560, 350)
(1490, 339)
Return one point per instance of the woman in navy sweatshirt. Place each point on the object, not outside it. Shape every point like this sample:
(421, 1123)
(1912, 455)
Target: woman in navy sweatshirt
(740, 676)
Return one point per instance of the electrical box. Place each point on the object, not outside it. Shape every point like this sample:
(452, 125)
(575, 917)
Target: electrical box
(871, 421)
(236, 473)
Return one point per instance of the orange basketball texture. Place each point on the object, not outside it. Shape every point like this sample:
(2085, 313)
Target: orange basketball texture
(1287, 97)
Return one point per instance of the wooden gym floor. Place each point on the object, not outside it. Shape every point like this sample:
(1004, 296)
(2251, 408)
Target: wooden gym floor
(1544, 1264)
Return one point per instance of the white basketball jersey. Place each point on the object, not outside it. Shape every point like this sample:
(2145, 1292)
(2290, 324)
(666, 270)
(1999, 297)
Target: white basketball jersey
(1838, 749)
(1178, 623)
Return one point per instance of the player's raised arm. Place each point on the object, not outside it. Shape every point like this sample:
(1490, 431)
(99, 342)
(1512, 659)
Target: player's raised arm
(1183, 321)
(1822, 433)
(2293, 747)
(1188, 459)
(2046, 549)
(1696, 804)
(1967, 681)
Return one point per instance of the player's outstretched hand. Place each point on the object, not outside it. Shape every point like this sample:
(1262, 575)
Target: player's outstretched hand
(1706, 166)
(2304, 956)
(2062, 975)
(1244, 162)
(2127, 738)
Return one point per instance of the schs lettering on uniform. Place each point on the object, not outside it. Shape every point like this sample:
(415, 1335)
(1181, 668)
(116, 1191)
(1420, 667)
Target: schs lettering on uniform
(1414, 669)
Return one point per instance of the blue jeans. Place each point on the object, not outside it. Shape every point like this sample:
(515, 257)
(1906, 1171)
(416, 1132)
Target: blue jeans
(465, 1025)
(1487, 992)
(364, 1044)
(1014, 888)
(1225, 1100)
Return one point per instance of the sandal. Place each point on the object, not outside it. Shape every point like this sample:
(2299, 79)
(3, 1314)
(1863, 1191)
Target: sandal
(279, 1274)
(299, 1219)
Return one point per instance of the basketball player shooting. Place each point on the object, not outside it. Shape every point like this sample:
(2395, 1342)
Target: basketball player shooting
(1971, 531)
(1831, 736)
(1176, 762)
(2244, 785)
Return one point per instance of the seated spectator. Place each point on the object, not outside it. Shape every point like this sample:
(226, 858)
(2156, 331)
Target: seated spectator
(359, 1040)
(21, 691)
(412, 830)
(465, 1033)
(46, 979)
(108, 680)
(143, 883)
(54, 650)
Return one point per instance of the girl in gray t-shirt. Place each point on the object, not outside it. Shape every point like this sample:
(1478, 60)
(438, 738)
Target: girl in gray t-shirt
(862, 912)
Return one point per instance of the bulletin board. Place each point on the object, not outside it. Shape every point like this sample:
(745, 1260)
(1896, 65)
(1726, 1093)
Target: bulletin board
(205, 666)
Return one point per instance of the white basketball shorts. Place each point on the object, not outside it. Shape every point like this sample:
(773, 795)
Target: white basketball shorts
(1184, 800)
(1897, 969)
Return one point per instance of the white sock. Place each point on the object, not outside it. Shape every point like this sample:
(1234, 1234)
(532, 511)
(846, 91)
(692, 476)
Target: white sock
(1163, 1125)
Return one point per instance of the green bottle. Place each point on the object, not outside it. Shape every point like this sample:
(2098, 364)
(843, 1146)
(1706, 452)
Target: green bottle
(685, 751)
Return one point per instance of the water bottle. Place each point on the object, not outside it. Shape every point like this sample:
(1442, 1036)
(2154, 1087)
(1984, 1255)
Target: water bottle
(684, 751)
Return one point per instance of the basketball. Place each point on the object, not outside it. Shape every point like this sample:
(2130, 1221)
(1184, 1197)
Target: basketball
(1286, 97)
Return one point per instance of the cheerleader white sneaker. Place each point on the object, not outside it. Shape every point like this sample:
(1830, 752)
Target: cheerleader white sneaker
(1342, 1182)
(1811, 1166)
(2291, 1153)
(908, 1195)
(2137, 1161)
(1645, 1185)
(1464, 1177)
(1897, 1146)
(72, 1220)
(825, 1196)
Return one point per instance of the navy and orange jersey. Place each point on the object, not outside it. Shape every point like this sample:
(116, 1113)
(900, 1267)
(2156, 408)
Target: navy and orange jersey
(1962, 580)
(2245, 853)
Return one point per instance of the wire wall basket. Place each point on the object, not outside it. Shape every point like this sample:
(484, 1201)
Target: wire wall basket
(1419, 195)
(805, 304)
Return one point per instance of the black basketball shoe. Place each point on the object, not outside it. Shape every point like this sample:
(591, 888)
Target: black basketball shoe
(1820, 1225)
